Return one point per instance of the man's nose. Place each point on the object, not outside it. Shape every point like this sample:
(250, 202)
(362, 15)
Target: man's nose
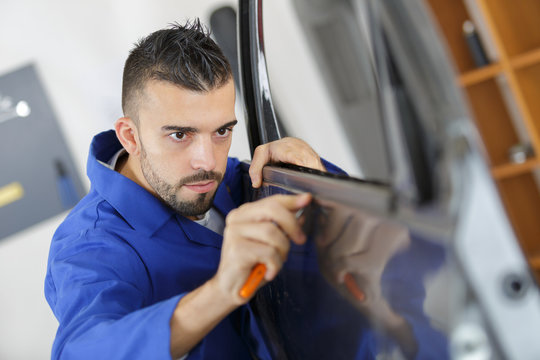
(202, 155)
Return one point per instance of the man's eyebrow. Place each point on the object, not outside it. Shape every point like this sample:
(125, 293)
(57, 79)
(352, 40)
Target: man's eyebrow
(192, 130)
(182, 129)
(229, 124)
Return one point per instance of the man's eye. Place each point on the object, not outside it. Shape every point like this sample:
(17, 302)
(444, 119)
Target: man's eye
(223, 132)
(178, 136)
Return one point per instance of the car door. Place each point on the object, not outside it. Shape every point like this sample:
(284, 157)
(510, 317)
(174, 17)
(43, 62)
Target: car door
(395, 265)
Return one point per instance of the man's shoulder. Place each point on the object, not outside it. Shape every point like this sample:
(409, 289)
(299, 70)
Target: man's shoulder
(91, 241)
(92, 215)
(95, 235)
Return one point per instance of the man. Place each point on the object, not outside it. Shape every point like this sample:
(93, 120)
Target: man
(150, 263)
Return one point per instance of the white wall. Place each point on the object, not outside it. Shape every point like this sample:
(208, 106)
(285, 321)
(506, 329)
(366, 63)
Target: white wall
(79, 48)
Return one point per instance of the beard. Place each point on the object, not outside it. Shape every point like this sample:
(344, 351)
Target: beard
(167, 193)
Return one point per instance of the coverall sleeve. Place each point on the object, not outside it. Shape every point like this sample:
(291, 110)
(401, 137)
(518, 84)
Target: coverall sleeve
(100, 292)
(333, 169)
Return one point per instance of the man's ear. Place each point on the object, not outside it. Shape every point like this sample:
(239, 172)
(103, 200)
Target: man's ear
(127, 134)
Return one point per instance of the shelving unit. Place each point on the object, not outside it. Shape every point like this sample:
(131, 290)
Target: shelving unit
(479, 75)
(512, 28)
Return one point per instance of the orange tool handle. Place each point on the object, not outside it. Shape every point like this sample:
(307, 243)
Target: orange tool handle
(253, 281)
(353, 288)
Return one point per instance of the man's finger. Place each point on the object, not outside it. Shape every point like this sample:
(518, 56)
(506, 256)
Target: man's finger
(289, 150)
(261, 157)
(277, 209)
(266, 233)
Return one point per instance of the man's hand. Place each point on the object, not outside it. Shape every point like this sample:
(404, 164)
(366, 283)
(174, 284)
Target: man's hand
(287, 150)
(258, 232)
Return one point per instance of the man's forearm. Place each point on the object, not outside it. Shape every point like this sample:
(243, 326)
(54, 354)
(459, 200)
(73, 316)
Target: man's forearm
(196, 314)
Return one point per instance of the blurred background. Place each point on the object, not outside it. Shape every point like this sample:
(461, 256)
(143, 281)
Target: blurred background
(78, 50)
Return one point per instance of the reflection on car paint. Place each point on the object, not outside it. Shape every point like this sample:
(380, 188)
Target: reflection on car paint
(357, 286)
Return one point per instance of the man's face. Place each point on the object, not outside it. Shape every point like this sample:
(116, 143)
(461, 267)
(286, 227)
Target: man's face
(185, 138)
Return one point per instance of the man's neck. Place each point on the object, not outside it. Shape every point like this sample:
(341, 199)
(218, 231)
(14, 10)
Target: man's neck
(121, 164)
(122, 168)
(129, 167)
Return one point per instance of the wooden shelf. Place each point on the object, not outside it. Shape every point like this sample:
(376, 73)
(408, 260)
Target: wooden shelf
(521, 198)
(515, 24)
(478, 75)
(504, 98)
(528, 80)
(535, 262)
(526, 59)
(493, 120)
(512, 169)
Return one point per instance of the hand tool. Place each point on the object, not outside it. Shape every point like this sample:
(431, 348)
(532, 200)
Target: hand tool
(258, 271)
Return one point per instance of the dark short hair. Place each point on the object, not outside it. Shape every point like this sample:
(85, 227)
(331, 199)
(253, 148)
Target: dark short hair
(184, 55)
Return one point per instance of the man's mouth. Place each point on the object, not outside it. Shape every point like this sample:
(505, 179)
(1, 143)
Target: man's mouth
(201, 187)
